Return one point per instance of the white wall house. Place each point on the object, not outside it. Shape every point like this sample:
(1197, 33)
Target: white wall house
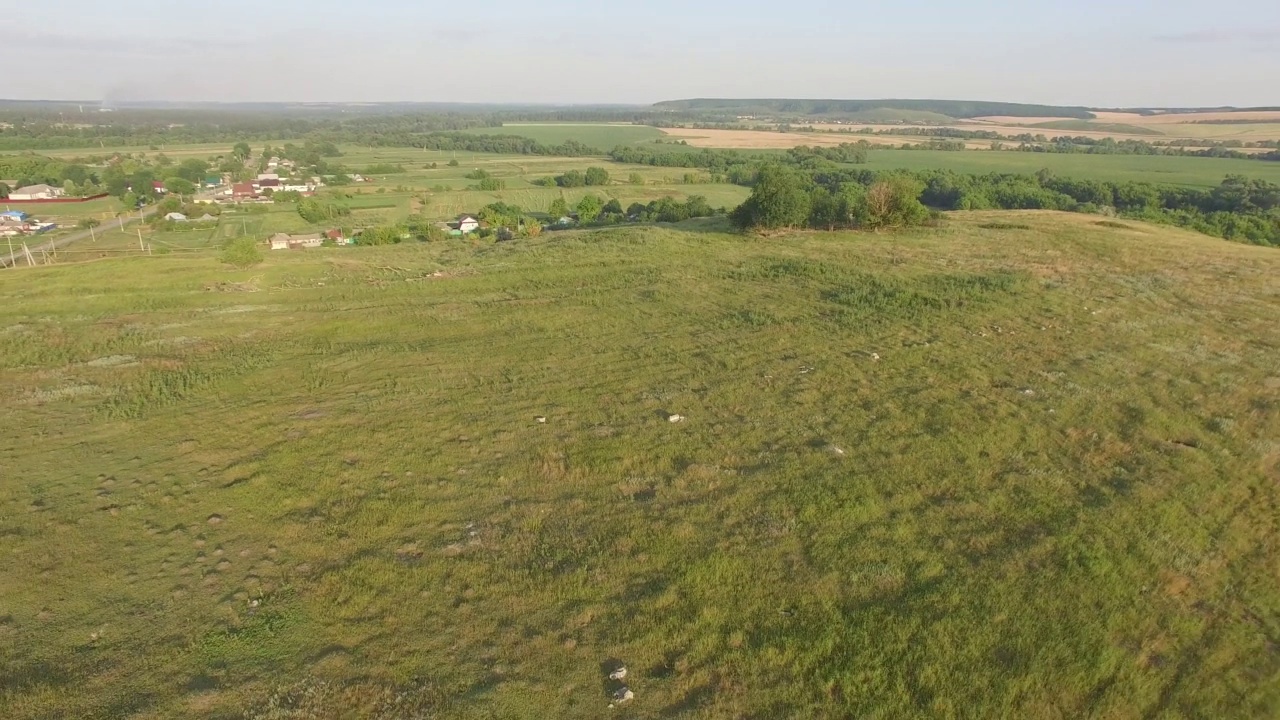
(468, 224)
(37, 192)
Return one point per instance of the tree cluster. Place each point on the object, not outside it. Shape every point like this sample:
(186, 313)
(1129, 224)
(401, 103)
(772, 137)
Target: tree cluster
(784, 197)
(317, 211)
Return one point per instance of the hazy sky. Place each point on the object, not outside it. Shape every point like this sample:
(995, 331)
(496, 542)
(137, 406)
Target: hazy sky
(1086, 52)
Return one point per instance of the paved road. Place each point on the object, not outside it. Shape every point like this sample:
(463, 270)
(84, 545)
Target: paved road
(19, 258)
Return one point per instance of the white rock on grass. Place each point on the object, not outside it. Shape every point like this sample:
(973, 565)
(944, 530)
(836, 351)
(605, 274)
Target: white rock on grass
(622, 696)
(541, 419)
(675, 418)
(619, 674)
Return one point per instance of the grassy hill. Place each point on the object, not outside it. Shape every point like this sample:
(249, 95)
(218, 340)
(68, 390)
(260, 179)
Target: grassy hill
(1021, 465)
(833, 108)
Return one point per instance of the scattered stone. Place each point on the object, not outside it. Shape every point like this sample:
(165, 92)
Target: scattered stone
(1028, 391)
(622, 696)
(675, 418)
(215, 519)
(806, 370)
(835, 449)
(619, 674)
(541, 419)
(875, 356)
(254, 603)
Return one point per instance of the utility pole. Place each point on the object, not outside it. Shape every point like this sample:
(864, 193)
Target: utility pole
(31, 262)
(12, 261)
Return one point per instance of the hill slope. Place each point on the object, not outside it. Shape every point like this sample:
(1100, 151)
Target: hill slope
(949, 108)
(1024, 465)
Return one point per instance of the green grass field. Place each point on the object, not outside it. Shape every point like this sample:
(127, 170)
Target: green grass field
(67, 213)
(1190, 171)
(604, 137)
(1022, 465)
(1095, 126)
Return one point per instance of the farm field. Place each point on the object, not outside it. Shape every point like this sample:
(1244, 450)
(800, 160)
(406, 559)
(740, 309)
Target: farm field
(1020, 465)
(1190, 171)
(604, 136)
(448, 192)
(1244, 126)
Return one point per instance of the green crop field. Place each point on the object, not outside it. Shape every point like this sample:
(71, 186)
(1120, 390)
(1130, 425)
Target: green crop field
(1021, 465)
(602, 136)
(1095, 126)
(1190, 171)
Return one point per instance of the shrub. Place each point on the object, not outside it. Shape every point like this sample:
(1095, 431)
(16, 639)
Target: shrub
(241, 252)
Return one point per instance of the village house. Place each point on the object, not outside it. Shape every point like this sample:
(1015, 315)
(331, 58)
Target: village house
(243, 191)
(295, 186)
(467, 224)
(284, 241)
(175, 217)
(15, 222)
(37, 192)
(337, 238)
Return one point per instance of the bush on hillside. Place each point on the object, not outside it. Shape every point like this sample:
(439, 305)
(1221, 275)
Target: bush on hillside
(241, 252)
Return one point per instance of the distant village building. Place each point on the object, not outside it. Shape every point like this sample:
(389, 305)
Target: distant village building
(175, 217)
(37, 192)
(243, 191)
(467, 224)
(284, 241)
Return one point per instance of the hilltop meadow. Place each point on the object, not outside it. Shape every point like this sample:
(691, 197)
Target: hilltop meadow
(1020, 464)
(965, 464)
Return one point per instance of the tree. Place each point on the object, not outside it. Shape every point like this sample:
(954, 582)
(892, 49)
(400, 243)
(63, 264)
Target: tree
(453, 163)
(635, 179)
(386, 235)
(825, 211)
(241, 252)
(195, 170)
(559, 208)
(571, 179)
(242, 151)
(589, 208)
(780, 199)
(613, 207)
(179, 186)
(596, 176)
(532, 227)
(895, 202)
(5, 190)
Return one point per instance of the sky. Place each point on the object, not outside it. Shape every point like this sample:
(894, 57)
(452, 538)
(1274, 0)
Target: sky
(1098, 53)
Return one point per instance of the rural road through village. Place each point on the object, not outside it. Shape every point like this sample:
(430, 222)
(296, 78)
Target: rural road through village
(11, 259)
